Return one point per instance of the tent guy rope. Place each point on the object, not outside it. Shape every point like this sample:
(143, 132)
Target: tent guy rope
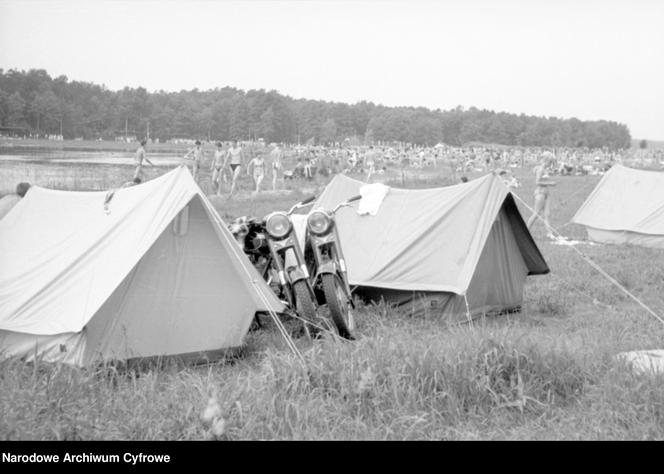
(587, 259)
(233, 245)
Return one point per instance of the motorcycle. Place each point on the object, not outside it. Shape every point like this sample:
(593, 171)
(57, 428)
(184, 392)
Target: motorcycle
(249, 232)
(267, 242)
(328, 267)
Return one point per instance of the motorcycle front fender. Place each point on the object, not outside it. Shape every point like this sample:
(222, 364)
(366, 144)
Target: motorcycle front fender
(296, 274)
(329, 267)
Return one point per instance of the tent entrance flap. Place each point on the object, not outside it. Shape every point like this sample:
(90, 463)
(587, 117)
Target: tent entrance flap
(182, 274)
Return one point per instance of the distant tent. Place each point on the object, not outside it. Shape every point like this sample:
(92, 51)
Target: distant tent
(157, 273)
(626, 207)
(430, 247)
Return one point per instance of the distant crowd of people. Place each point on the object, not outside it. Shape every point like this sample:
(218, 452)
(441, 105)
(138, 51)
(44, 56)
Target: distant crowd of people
(33, 136)
(280, 162)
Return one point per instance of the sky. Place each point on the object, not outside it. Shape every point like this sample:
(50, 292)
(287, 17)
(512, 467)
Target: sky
(588, 59)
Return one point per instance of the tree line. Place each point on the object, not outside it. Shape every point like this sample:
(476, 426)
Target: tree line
(34, 101)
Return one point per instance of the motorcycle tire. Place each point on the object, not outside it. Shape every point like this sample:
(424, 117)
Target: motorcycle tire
(338, 304)
(304, 307)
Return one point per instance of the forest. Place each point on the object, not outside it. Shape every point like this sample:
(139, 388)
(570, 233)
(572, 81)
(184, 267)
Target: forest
(35, 103)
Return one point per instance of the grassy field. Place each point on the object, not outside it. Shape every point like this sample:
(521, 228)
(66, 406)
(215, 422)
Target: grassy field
(548, 372)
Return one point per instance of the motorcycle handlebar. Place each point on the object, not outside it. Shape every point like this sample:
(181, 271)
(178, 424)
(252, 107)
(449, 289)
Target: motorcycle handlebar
(346, 203)
(300, 204)
(308, 200)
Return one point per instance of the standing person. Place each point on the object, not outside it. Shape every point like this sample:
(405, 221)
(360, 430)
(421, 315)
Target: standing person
(542, 198)
(277, 156)
(139, 158)
(258, 165)
(370, 162)
(352, 160)
(298, 172)
(217, 168)
(196, 155)
(236, 156)
(420, 160)
(307, 168)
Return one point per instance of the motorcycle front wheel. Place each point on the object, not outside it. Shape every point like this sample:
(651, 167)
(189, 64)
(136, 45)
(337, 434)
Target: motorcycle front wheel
(338, 304)
(305, 306)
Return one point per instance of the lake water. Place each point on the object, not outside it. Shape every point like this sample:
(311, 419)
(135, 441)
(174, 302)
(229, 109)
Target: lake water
(106, 158)
(74, 169)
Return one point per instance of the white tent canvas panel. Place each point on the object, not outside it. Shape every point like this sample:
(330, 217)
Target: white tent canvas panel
(158, 274)
(462, 243)
(626, 207)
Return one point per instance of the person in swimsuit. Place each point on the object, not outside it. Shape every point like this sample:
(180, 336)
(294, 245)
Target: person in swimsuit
(258, 165)
(138, 160)
(542, 185)
(235, 155)
(308, 173)
(217, 168)
(370, 163)
(277, 165)
(196, 155)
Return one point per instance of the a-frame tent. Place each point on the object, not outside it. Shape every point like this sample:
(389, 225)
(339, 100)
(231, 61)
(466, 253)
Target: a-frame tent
(626, 207)
(155, 272)
(452, 251)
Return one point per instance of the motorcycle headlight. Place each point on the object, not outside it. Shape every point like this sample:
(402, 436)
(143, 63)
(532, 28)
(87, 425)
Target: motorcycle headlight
(278, 225)
(318, 222)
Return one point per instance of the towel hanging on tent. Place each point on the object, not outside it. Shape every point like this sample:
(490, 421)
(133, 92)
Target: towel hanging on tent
(372, 197)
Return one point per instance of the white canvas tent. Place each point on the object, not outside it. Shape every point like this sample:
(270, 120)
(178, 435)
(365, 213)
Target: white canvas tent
(7, 203)
(438, 247)
(626, 207)
(156, 274)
